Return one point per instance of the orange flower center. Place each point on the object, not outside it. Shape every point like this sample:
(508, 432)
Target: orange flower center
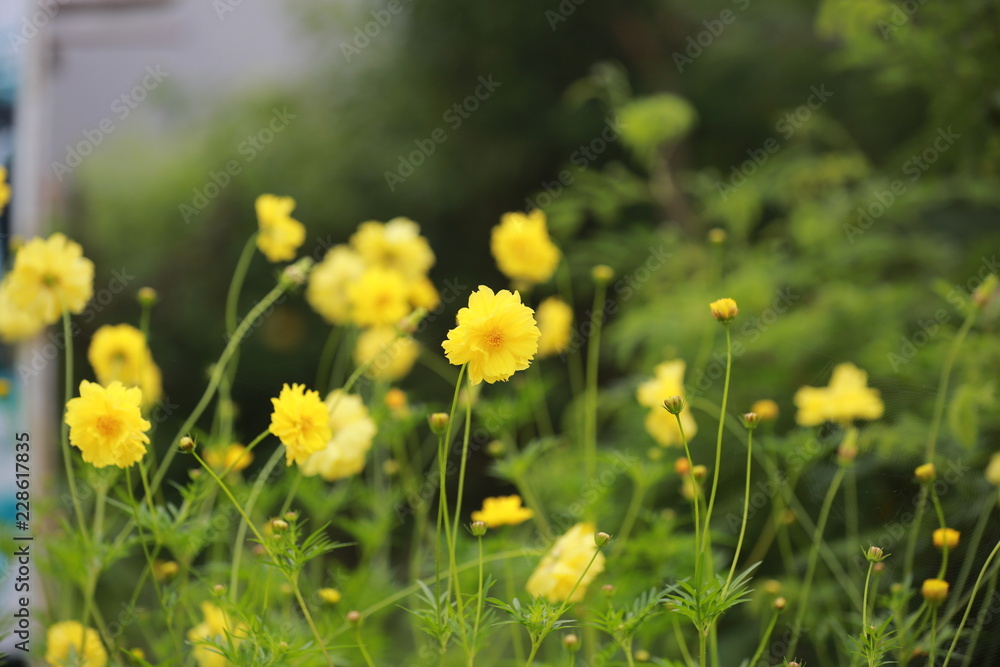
(108, 426)
(494, 338)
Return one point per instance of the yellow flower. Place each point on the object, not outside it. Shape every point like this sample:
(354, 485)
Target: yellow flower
(233, 457)
(328, 283)
(496, 335)
(379, 297)
(555, 321)
(351, 434)
(301, 421)
(724, 310)
(16, 324)
(49, 276)
(848, 397)
(946, 536)
(502, 511)
(69, 644)
(219, 631)
(280, 234)
(662, 425)
(165, 569)
(120, 353)
(993, 470)
(766, 409)
(521, 246)
(395, 245)
(106, 425)
(395, 399)
(4, 189)
(934, 590)
(391, 356)
(925, 472)
(423, 294)
(329, 595)
(563, 565)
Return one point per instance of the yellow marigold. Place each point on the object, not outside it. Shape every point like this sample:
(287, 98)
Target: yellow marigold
(106, 425)
(946, 536)
(329, 281)
(391, 356)
(766, 409)
(120, 353)
(219, 631)
(4, 189)
(555, 321)
(847, 398)
(502, 511)
(351, 433)
(301, 421)
(233, 457)
(379, 297)
(521, 246)
(496, 335)
(935, 590)
(50, 275)
(563, 565)
(724, 310)
(329, 595)
(662, 425)
(69, 644)
(993, 470)
(396, 244)
(16, 324)
(423, 294)
(280, 234)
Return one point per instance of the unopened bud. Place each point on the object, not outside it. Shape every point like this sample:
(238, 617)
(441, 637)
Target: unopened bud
(439, 422)
(147, 296)
(700, 472)
(186, 444)
(982, 294)
(219, 590)
(674, 405)
(478, 528)
(602, 539)
(779, 603)
(572, 642)
(682, 466)
(297, 273)
(875, 554)
(926, 473)
(608, 589)
(602, 273)
(496, 448)
(279, 525)
(750, 420)
(354, 617)
(724, 310)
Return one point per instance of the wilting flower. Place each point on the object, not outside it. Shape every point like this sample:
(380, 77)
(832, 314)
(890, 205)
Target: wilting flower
(120, 353)
(724, 310)
(565, 563)
(50, 276)
(946, 536)
(217, 629)
(379, 297)
(934, 590)
(301, 421)
(396, 245)
(496, 335)
(69, 644)
(351, 433)
(661, 424)
(280, 234)
(329, 282)
(555, 321)
(522, 247)
(232, 457)
(106, 425)
(391, 356)
(848, 397)
(502, 511)
(16, 324)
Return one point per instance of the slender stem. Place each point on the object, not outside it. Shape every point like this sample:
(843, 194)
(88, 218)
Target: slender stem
(461, 468)
(682, 644)
(64, 439)
(236, 284)
(864, 601)
(639, 490)
(763, 640)
(746, 510)
(932, 659)
(593, 358)
(944, 536)
(528, 493)
(707, 535)
(977, 536)
(241, 532)
(479, 605)
(695, 493)
(312, 624)
(542, 416)
(702, 647)
(942, 393)
(362, 647)
(968, 607)
(324, 369)
(817, 538)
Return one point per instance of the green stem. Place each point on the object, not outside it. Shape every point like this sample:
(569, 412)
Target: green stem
(695, 493)
(932, 659)
(968, 607)
(746, 510)
(944, 537)
(593, 357)
(817, 538)
(362, 647)
(702, 647)
(977, 536)
(639, 490)
(241, 532)
(236, 284)
(864, 601)
(707, 535)
(763, 640)
(309, 620)
(324, 369)
(479, 606)
(64, 439)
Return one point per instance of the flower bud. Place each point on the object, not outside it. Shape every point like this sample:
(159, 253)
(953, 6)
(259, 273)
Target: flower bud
(279, 525)
(779, 603)
(147, 297)
(608, 589)
(717, 236)
(926, 473)
(682, 466)
(329, 595)
(297, 273)
(496, 448)
(572, 642)
(772, 586)
(395, 399)
(439, 422)
(875, 554)
(750, 420)
(186, 444)
(291, 515)
(642, 656)
(934, 590)
(700, 472)
(674, 405)
(724, 310)
(219, 590)
(354, 617)
(946, 537)
(982, 294)
(478, 528)
(878, 568)
(602, 539)
(602, 273)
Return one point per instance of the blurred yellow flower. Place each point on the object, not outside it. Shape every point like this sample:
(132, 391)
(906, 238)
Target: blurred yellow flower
(329, 282)
(946, 536)
(662, 425)
(391, 356)
(49, 276)
(69, 644)
(502, 511)
(16, 324)
(555, 321)
(4, 189)
(934, 590)
(329, 595)
(565, 563)
(724, 310)
(301, 421)
(766, 409)
(233, 457)
(217, 629)
(106, 425)
(379, 297)
(120, 353)
(423, 294)
(165, 569)
(521, 246)
(395, 399)
(993, 470)
(280, 235)
(496, 335)
(351, 433)
(848, 397)
(396, 245)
